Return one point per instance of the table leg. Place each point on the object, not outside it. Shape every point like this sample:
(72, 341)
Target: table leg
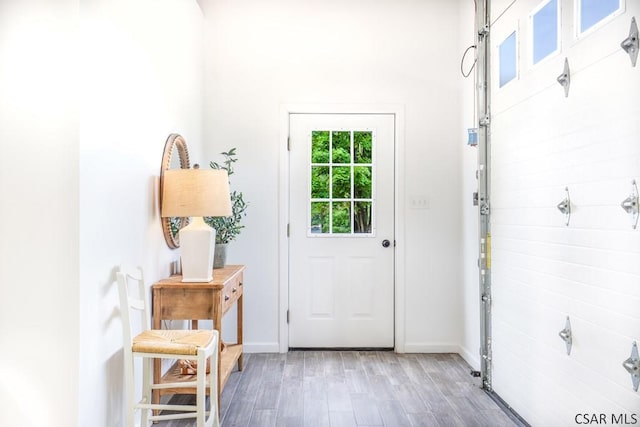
(217, 325)
(157, 363)
(239, 308)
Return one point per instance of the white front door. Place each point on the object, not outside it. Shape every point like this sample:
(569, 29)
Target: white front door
(341, 244)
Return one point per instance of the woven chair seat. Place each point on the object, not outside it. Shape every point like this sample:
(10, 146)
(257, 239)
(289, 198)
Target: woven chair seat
(192, 348)
(179, 342)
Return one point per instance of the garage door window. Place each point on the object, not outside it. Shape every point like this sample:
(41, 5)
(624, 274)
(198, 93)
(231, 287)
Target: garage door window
(545, 25)
(592, 12)
(507, 59)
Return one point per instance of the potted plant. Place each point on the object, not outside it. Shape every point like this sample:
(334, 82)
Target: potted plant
(228, 227)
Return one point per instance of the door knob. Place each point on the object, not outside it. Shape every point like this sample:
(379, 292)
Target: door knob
(386, 243)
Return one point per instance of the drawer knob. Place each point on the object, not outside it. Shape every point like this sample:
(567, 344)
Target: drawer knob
(234, 290)
(226, 297)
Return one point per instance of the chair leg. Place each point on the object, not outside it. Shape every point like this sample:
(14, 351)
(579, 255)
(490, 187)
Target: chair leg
(147, 380)
(214, 409)
(129, 391)
(201, 378)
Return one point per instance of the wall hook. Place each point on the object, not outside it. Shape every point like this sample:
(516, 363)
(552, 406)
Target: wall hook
(565, 206)
(565, 78)
(567, 336)
(630, 204)
(631, 44)
(632, 365)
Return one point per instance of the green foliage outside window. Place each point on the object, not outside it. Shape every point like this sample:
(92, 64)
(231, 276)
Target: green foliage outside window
(341, 171)
(320, 182)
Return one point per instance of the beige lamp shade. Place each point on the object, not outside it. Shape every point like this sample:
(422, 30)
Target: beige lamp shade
(195, 192)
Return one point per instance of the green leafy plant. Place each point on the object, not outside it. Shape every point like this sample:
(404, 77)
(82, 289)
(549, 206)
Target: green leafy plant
(228, 227)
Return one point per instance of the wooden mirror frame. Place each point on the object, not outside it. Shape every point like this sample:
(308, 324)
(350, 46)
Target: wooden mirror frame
(175, 143)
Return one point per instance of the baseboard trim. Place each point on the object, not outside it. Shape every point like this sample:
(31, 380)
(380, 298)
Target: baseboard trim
(472, 359)
(261, 347)
(431, 348)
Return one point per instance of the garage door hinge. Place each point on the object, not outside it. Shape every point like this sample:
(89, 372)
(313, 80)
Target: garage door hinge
(632, 366)
(486, 298)
(484, 209)
(630, 204)
(483, 31)
(567, 335)
(631, 44)
(565, 78)
(485, 121)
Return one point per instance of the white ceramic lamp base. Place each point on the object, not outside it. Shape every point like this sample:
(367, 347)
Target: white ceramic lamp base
(197, 246)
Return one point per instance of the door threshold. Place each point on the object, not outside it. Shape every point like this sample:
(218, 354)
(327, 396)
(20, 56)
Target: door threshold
(340, 348)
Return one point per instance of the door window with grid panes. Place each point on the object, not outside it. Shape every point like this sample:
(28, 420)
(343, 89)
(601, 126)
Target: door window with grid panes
(341, 196)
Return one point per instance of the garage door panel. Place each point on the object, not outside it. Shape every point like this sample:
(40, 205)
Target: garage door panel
(533, 197)
(620, 261)
(603, 199)
(587, 238)
(613, 175)
(565, 296)
(587, 141)
(612, 290)
(530, 346)
(595, 45)
(558, 381)
(549, 387)
(539, 325)
(543, 270)
(583, 51)
(583, 216)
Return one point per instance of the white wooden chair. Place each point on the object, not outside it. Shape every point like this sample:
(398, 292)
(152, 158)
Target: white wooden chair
(150, 344)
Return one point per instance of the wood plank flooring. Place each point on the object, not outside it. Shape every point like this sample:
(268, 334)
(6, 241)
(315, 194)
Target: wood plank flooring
(354, 389)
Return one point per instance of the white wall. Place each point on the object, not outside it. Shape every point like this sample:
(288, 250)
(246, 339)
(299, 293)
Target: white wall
(39, 214)
(94, 194)
(143, 68)
(469, 298)
(267, 54)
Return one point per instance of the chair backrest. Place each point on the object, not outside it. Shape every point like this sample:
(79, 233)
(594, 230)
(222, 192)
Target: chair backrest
(130, 305)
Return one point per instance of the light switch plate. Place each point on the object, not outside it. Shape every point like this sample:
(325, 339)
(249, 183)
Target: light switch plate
(419, 202)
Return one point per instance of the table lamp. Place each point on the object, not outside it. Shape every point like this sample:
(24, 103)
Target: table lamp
(196, 193)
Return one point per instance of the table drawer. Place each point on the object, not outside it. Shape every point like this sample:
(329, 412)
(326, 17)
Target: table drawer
(231, 292)
(184, 304)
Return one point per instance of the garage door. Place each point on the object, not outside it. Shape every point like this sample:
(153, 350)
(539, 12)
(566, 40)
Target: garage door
(547, 266)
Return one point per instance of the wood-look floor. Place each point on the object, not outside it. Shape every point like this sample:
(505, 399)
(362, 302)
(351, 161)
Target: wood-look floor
(354, 389)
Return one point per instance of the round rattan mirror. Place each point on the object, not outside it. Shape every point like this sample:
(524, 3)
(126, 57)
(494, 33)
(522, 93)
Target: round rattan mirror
(175, 155)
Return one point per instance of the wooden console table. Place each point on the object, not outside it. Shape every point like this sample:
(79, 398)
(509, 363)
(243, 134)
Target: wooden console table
(175, 300)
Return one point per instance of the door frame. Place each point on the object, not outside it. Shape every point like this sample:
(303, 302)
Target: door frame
(286, 110)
